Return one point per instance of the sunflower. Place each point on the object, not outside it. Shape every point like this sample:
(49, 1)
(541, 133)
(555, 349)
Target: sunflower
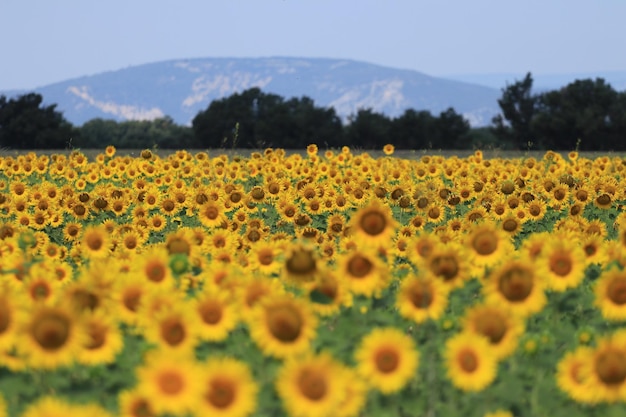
(282, 326)
(569, 377)
(387, 359)
(487, 244)
(498, 325)
(265, 257)
(10, 317)
(134, 404)
(218, 316)
(364, 271)
(421, 247)
(173, 329)
(212, 214)
(374, 224)
(422, 297)
(606, 371)
(562, 263)
(229, 389)
(301, 264)
(449, 263)
(153, 266)
(170, 382)
(514, 284)
(104, 342)
(610, 294)
(311, 386)
(51, 337)
(95, 242)
(252, 291)
(470, 362)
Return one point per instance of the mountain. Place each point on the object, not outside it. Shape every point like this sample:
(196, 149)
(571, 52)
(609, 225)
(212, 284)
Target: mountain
(182, 88)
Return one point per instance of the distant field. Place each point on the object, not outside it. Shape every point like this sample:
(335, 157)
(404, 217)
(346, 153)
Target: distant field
(404, 154)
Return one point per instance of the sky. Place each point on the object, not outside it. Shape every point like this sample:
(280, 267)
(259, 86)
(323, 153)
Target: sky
(47, 41)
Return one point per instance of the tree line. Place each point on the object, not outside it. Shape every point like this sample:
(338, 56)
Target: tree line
(585, 115)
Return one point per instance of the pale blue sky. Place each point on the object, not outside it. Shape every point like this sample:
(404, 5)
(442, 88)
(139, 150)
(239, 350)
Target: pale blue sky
(45, 41)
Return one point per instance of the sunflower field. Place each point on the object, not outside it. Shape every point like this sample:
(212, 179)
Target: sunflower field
(312, 284)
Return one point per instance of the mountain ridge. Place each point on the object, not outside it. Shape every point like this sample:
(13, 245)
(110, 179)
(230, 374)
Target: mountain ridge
(180, 88)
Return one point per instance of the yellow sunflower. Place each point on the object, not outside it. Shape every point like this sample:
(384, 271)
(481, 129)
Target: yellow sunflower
(51, 337)
(487, 244)
(610, 294)
(173, 329)
(170, 382)
(134, 404)
(364, 272)
(283, 326)
(449, 264)
(569, 377)
(470, 362)
(514, 285)
(498, 325)
(356, 390)
(229, 390)
(104, 341)
(48, 406)
(95, 242)
(422, 297)
(606, 371)
(301, 264)
(217, 314)
(311, 386)
(562, 263)
(329, 293)
(387, 358)
(374, 224)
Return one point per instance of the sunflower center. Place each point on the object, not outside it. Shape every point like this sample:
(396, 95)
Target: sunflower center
(173, 331)
(94, 242)
(434, 212)
(5, 316)
(445, 266)
(131, 299)
(285, 323)
(387, 360)
(85, 300)
(561, 264)
(97, 334)
(510, 225)
(52, 331)
(211, 312)
(301, 262)
(421, 295)
(266, 257)
(616, 291)
(141, 408)
(485, 243)
(468, 361)
(604, 200)
(610, 367)
(155, 271)
(222, 393)
(312, 384)
(373, 223)
(491, 325)
(170, 383)
(40, 290)
(516, 284)
(359, 266)
(178, 246)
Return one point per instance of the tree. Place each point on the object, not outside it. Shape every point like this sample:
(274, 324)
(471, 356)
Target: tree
(585, 114)
(517, 103)
(452, 131)
(368, 130)
(253, 119)
(26, 124)
(413, 130)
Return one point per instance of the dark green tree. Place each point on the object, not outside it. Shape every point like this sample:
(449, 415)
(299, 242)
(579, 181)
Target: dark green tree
(368, 130)
(452, 131)
(413, 130)
(586, 114)
(26, 124)
(517, 104)
(253, 119)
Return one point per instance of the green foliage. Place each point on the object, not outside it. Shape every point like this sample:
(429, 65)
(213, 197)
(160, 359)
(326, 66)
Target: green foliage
(26, 124)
